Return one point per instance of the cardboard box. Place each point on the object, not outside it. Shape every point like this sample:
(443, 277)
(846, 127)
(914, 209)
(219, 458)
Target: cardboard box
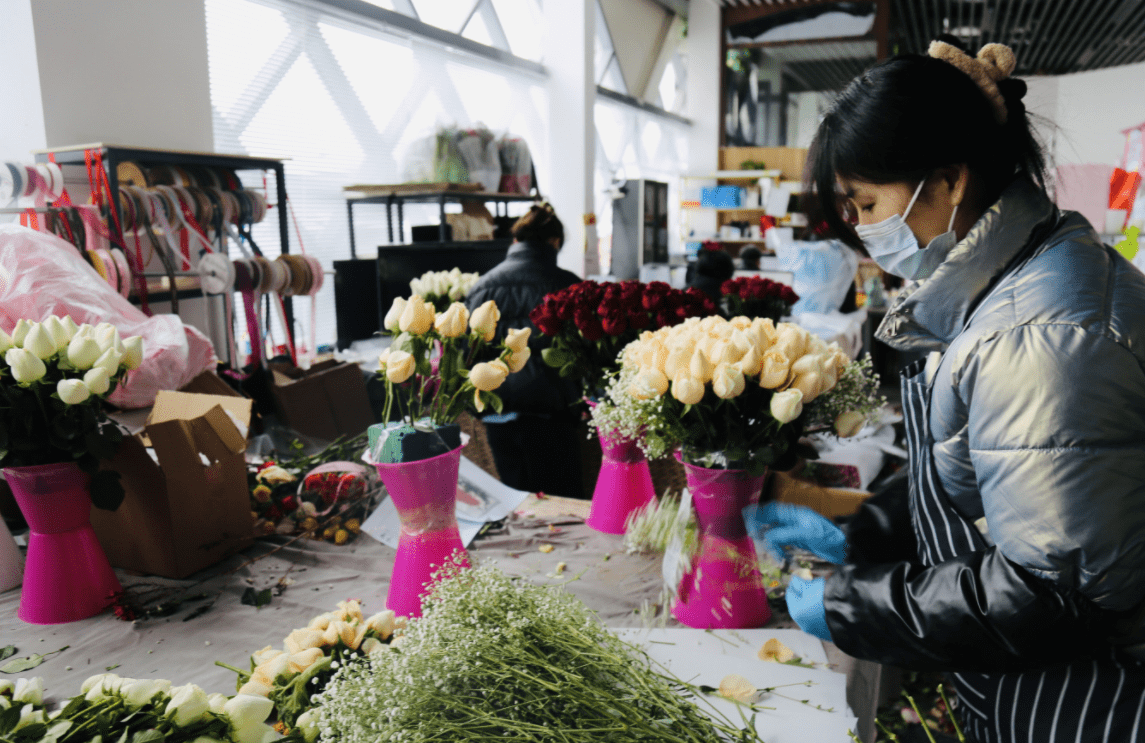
(829, 502)
(191, 508)
(326, 401)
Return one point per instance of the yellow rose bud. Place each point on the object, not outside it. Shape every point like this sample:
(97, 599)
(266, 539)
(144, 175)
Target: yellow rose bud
(372, 645)
(299, 662)
(321, 622)
(727, 382)
(751, 363)
(710, 322)
(648, 384)
(762, 333)
(774, 368)
(677, 361)
(687, 390)
(394, 316)
(809, 384)
(786, 406)
(383, 357)
(341, 537)
(484, 320)
(302, 639)
(849, 423)
(417, 317)
(350, 610)
(699, 368)
(518, 359)
(383, 623)
(740, 323)
(792, 340)
(453, 322)
(518, 340)
(488, 376)
(400, 366)
(806, 365)
(655, 355)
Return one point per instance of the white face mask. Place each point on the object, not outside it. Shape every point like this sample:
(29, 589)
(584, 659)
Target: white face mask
(895, 248)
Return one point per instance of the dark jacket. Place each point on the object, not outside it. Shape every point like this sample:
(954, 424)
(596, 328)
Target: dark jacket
(1037, 414)
(517, 285)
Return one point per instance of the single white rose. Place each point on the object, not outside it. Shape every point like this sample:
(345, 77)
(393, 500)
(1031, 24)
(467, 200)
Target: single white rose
(267, 653)
(786, 406)
(247, 710)
(139, 692)
(302, 639)
(686, 389)
(26, 367)
(488, 376)
(383, 623)
(299, 662)
(188, 703)
(809, 384)
(58, 331)
(133, 352)
(727, 382)
(484, 320)
(96, 680)
(393, 317)
(518, 340)
(648, 384)
(109, 360)
(40, 342)
(6, 342)
(453, 322)
(372, 645)
(97, 381)
(29, 716)
(700, 368)
(417, 317)
(29, 691)
(400, 366)
(849, 423)
(255, 688)
(518, 359)
(217, 702)
(20, 332)
(307, 724)
(70, 326)
(107, 336)
(73, 391)
(774, 368)
(751, 363)
(83, 351)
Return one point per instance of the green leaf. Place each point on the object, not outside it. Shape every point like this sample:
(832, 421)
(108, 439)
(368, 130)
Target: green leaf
(568, 370)
(9, 718)
(148, 736)
(112, 667)
(555, 357)
(22, 664)
(494, 400)
(35, 731)
(7, 652)
(257, 599)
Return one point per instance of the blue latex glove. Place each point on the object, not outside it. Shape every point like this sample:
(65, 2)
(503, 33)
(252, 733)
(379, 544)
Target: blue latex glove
(805, 604)
(789, 525)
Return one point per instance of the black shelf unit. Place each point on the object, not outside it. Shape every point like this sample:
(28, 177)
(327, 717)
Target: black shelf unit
(113, 155)
(391, 200)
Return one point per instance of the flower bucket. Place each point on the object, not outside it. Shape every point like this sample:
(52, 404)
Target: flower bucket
(623, 485)
(425, 494)
(724, 588)
(66, 574)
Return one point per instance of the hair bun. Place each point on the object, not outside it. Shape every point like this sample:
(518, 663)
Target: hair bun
(1013, 88)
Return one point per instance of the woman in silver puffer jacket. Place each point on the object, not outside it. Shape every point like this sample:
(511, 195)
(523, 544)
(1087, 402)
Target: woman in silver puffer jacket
(1015, 560)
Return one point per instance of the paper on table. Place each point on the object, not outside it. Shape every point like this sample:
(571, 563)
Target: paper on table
(480, 499)
(743, 643)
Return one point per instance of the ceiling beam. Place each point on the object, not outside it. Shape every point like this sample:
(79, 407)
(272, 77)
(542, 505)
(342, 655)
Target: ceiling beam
(679, 7)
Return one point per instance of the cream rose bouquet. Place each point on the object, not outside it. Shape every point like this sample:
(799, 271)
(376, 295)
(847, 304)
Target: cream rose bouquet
(730, 394)
(54, 377)
(441, 288)
(435, 356)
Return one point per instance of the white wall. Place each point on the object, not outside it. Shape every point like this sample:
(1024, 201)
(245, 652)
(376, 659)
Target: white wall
(22, 116)
(123, 72)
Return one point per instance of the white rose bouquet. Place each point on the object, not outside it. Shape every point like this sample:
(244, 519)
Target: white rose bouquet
(435, 356)
(440, 288)
(54, 377)
(731, 394)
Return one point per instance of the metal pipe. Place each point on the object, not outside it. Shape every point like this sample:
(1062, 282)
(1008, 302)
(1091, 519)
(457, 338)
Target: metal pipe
(1084, 28)
(1054, 20)
(1129, 34)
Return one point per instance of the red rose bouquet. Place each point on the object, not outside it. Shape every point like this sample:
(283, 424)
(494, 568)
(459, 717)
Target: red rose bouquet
(755, 296)
(591, 322)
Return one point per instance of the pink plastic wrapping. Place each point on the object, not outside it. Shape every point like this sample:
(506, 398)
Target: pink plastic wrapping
(623, 486)
(424, 493)
(724, 588)
(43, 275)
(66, 574)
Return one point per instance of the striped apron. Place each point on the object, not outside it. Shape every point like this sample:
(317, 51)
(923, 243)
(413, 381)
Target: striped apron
(1099, 700)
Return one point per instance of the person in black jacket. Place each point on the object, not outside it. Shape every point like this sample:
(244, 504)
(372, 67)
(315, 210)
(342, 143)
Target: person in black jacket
(534, 439)
(712, 269)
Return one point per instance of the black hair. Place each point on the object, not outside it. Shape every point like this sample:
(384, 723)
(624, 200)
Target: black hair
(716, 264)
(908, 116)
(539, 225)
(750, 254)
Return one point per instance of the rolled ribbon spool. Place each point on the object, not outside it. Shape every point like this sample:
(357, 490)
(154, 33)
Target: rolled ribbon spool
(11, 183)
(128, 173)
(121, 265)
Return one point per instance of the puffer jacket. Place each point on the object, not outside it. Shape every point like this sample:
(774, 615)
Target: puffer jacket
(1037, 416)
(517, 285)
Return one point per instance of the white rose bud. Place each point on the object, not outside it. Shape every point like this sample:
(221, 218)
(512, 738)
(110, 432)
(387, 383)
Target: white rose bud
(70, 326)
(786, 406)
(26, 367)
(518, 359)
(727, 382)
(255, 688)
(383, 623)
(217, 702)
(83, 351)
(139, 692)
(484, 320)
(248, 710)
(393, 317)
(133, 352)
(29, 691)
(849, 423)
(59, 332)
(417, 317)
(6, 342)
(488, 376)
(307, 724)
(518, 340)
(109, 360)
(189, 703)
(40, 342)
(400, 366)
(453, 322)
(107, 336)
(20, 332)
(97, 680)
(687, 390)
(648, 384)
(72, 391)
(97, 381)
(29, 715)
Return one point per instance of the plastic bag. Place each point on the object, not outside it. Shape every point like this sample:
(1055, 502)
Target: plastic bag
(43, 275)
(417, 163)
(824, 272)
(516, 166)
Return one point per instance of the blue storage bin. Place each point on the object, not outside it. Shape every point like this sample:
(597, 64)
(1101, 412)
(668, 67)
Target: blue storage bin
(722, 197)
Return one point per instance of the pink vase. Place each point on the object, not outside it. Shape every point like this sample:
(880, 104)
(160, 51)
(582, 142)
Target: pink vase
(66, 574)
(623, 486)
(724, 588)
(425, 495)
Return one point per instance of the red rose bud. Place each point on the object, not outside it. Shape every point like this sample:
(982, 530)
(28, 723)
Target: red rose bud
(639, 320)
(614, 326)
(728, 287)
(289, 503)
(589, 326)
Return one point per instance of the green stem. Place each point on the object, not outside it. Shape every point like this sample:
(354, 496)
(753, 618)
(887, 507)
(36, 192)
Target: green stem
(922, 720)
(950, 714)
